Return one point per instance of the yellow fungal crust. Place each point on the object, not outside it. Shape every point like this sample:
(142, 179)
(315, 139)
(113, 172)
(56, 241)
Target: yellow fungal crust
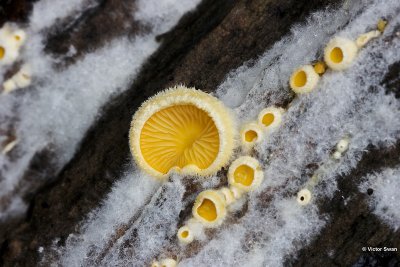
(270, 118)
(209, 208)
(304, 79)
(340, 53)
(245, 173)
(168, 263)
(304, 197)
(182, 129)
(11, 39)
(251, 134)
(185, 235)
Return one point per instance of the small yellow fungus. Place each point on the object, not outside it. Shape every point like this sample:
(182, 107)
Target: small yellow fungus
(182, 129)
(381, 25)
(342, 145)
(304, 79)
(236, 192)
(340, 53)
(155, 264)
(245, 173)
(10, 44)
(228, 195)
(363, 39)
(185, 235)
(270, 117)
(19, 80)
(337, 155)
(304, 197)
(320, 67)
(251, 134)
(209, 208)
(168, 263)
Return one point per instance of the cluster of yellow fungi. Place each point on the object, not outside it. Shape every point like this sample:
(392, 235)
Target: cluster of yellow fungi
(11, 40)
(190, 132)
(339, 54)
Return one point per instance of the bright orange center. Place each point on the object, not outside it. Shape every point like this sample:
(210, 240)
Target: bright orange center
(207, 210)
(336, 55)
(250, 136)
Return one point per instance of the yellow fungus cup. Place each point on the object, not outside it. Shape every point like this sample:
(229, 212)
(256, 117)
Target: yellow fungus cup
(320, 67)
(381, 25)
(304, 197)
(340, 53)
(245, 173)
(182, 129)
(209, 208)
(185, 235)
(251, 134)
(168, 263)
(11, 39)
(270, 118)
(304, 79)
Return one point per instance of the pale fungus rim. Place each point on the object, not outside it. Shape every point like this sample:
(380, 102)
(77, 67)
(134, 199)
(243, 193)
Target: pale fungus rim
(304, 197)
(311, 79)
(185, 239)
(254, 164)
(180, 95)
(348, 49)
(277, 113)
(219, 203)
(255, 127)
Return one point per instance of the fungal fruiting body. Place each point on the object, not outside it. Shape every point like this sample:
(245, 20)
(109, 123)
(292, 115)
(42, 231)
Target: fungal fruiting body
(209, 208)
(381, 25)
(251, 134)
(182, 129)
(270, 118)
(245, 173)
(21, 79)
(155, 264)
(364, 38)
(11, 40)
(228, 195)
(304, 197)
(304, 79)
(342, 145)
(340, 53)
(236, 192)
(320, 67)
(185, 235)
(168, 263)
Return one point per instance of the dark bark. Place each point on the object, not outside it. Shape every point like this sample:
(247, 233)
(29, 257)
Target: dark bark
(206, 44)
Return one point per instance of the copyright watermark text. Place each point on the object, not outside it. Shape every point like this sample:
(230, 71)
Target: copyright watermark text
(378, 249)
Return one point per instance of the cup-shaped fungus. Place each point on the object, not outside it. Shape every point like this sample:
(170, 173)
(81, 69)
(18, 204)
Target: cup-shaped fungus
(340, 53)
(251, 134)
(342, 145)
(271, 117)
(182, 129)
(155, 264)
(245, 173)
(185, 235)
(210, 208)
(320, 67)
(11, 40)
(304, 79)
(168, 263)
(304, 197)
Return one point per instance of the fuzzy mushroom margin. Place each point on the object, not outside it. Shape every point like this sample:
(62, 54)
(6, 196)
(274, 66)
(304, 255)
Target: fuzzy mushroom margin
(221, 116)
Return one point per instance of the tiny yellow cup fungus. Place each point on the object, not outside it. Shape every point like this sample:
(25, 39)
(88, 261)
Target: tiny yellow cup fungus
(271, 117)
(210, 208)
(185, 235)
(381, 25)
(340, 53)
(245, 173)
(251, 134)
(155, 264)
(304, 197)
(320, 67)
(304, 79)
(168, 263)
(11, 40)
(342, 145)
(364, 38)
(228, 195)
(182, 129)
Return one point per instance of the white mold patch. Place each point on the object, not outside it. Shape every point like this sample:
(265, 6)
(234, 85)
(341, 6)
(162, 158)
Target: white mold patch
(384, 198)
